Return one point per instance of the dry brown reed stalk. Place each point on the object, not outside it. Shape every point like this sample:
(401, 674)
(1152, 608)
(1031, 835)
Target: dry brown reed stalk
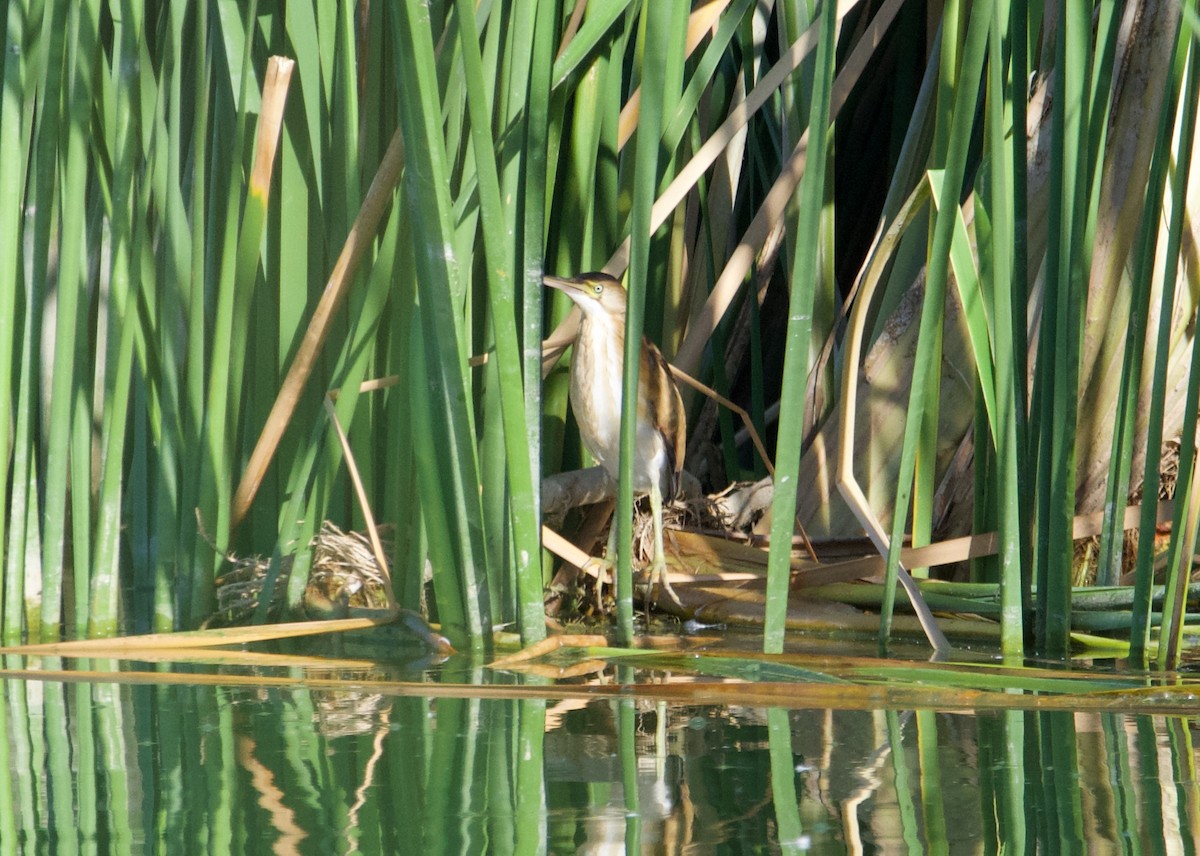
(133, 647)
(362, 234)
(364, 504)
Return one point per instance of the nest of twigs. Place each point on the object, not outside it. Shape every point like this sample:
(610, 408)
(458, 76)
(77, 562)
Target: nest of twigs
(344, 576)
(239, 590)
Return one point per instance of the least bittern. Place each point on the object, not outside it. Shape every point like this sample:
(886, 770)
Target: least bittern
(596, 375)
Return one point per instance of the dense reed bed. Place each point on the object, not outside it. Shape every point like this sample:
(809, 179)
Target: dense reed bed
(940, 252)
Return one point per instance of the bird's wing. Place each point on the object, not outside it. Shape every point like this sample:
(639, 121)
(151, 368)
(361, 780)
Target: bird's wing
(669, 417)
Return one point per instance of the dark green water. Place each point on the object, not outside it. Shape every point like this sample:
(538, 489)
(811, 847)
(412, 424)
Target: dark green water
(102, 767)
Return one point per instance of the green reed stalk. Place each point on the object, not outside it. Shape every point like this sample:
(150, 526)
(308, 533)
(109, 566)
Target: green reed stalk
(450, 480)
(1010, 798)
(1006, 306)
(1059, 760)
(1140, 625)
(933, 808)
(449, 798)
(8, 794)
(81, 25)
(342, 64)
(1128, 400)
(1183, 530)
(496, 722)
(91, 365)
(658, 33)
(112, 738)
(501, 288)
(587, 177)
(1183, 752)
(529, 776)
(27, 748)
(1018, 523)
(216, 761)
(909, 827)
(789, 826)
(627, 732)
(224, 386)
(539, 116)
(1059, 340)
(195, 586)
(69, 759)
(950, 81)
(14, 125)
(399, 463)
(315, 468)
(166, 376)
(932, 312)
(159, 704)
(22, 567)
(795, 373)
(127, 196)
(16, 120)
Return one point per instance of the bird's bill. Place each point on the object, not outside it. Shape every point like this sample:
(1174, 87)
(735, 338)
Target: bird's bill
(568, 285)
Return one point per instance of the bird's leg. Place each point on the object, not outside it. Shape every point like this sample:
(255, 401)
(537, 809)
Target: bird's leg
(658, 570)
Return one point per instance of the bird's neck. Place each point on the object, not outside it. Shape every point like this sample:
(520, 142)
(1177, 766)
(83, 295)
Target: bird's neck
(599, 354)
(601, 329)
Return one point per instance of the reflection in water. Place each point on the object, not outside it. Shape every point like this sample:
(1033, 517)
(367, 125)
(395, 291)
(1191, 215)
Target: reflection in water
(174, 768)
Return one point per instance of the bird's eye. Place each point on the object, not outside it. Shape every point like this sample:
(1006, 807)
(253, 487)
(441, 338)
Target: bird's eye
(598, 289)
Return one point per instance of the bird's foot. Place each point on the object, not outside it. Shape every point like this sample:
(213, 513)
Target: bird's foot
(601, 569)
(657, 575)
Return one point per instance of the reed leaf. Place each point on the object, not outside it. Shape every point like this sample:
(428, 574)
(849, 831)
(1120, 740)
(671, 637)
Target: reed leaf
(804, 275)
(600, 18)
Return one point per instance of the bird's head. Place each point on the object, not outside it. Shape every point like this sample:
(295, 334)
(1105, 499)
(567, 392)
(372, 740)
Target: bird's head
(595, 294)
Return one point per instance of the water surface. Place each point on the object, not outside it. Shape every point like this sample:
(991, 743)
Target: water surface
(218, 763)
